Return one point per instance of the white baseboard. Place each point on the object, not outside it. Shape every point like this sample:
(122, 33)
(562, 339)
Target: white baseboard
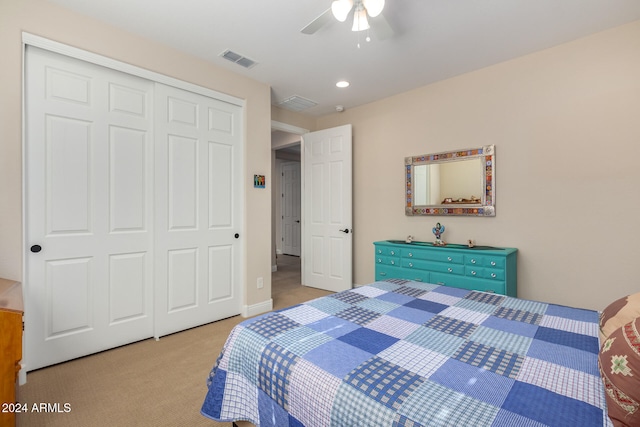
(255, 309)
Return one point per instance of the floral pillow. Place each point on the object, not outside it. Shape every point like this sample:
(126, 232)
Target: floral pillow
(619, 313)
(619, 363)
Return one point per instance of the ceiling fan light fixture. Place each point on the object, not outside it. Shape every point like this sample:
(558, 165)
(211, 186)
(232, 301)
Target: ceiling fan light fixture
(341, 9)
(360, 22)
(374, 7)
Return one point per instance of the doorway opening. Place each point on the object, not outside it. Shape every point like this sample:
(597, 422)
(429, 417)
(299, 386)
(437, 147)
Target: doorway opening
(286, 143)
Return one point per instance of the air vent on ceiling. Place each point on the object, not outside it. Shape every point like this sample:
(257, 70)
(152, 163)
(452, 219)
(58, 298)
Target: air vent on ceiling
(296, 103)
(238, 59)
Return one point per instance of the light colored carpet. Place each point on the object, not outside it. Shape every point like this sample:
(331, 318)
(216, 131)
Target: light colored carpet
(148, 383)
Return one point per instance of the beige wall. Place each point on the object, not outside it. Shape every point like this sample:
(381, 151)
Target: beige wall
(44, 19)
(565, 122)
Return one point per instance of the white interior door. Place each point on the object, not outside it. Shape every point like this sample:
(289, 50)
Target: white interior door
(327, 217)
(291, 208)
(198, 209)
(88, 199)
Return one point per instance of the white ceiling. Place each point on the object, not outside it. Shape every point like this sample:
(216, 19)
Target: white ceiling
(434, 39)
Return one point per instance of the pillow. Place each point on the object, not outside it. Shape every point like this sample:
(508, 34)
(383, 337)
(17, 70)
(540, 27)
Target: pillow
(619, 363)
(619, 313)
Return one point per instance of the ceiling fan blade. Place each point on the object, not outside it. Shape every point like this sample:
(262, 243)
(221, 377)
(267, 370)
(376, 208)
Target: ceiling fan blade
(318, 23)
(380, 27)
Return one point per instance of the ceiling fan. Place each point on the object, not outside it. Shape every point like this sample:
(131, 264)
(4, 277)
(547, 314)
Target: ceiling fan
(367, 14)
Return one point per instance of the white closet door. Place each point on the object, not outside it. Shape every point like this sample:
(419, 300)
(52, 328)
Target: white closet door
(89, 214)
(198, 209)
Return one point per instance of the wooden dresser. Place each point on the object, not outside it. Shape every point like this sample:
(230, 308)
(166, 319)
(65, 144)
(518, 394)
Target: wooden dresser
(482, 268)
(11, 310)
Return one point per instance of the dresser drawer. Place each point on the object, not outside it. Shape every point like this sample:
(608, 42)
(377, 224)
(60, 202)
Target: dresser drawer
(437, 267)
(384, 272)
(484, 261)
(484, 273)
(387, 251)
(433, 255)
(416, 275)
(466, 282)
(387, 260)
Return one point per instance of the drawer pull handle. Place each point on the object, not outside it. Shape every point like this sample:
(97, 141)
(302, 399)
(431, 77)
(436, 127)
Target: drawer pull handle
(379, 260)
(493, 275)
(411, 264)
(383, 274)
(393, 252)
(493, 263)
(393, 262)
(379, 251)
(448, 258)
(473, 273)
(417, 280)
(449, 269)
(473, 261)
(410, 255)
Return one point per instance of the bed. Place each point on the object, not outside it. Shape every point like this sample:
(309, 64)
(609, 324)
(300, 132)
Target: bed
(404, 353)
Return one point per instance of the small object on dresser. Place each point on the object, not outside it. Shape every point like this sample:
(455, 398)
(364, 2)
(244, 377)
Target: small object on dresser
(409, 239)
(470, 243)
(437, 231)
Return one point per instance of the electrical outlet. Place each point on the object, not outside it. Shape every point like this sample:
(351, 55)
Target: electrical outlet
(260, 283)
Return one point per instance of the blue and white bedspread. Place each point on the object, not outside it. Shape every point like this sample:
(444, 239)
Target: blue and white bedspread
(402, 353)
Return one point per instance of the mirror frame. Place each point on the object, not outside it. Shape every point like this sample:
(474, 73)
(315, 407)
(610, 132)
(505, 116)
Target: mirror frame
(487, 205)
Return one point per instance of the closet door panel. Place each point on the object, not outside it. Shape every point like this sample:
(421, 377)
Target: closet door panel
(182, 181)
(88, 192)
(128, 163)
(198, 160)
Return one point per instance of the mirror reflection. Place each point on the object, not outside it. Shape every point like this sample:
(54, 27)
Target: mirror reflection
(448, 183)
(451, 183)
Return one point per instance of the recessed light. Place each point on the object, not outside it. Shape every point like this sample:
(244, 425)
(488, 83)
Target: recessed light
(343, 84)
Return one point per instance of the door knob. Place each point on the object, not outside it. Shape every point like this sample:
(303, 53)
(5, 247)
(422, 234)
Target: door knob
(36, 248)
(346, 231)
(236, 235)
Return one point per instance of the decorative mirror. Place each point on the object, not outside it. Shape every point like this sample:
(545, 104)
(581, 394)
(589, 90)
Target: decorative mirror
(452, 183)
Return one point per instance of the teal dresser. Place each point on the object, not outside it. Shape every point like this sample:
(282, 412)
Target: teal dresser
(482, 268)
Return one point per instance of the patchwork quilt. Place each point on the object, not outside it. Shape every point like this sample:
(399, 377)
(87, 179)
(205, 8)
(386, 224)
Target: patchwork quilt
(403, 353)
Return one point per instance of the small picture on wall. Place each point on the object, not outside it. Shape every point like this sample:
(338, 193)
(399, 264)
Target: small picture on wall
(258, 181)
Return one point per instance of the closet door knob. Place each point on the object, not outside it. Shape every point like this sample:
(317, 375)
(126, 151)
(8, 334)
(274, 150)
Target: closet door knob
(236, 235)
(36, 248)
